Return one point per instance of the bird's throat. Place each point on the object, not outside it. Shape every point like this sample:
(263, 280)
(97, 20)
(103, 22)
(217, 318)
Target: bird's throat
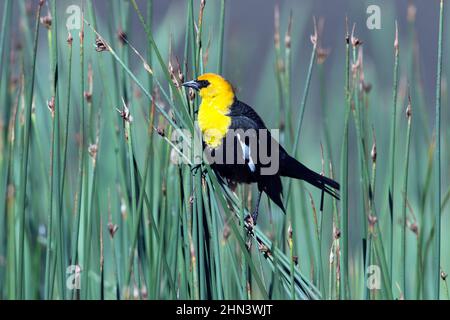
(213, 120)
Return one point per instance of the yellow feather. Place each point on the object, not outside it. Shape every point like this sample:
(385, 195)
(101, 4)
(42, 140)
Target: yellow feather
(217, 99)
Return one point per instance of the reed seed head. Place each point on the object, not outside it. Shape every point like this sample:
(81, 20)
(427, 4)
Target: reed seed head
(122, 36)
(396, 45)
(356, 42)
(414, 228)
(69, 39)
(336, 233)
(93, 149)
(288, 36)
(112, 228)
(372, 220)
(51, 106)
(125, 114)
(81, 36)
(88, 96)
(409, 109)
(161, 131)
(47, 21)
(373, 153)
(276, 37)
(100, 45)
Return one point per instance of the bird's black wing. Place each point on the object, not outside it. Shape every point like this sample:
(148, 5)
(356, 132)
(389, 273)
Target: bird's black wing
(246, 113)
(245, 117)
(249, 129)
(289, 166)
(260, 160)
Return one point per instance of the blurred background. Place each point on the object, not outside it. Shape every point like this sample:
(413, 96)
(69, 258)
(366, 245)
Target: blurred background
(252, 64)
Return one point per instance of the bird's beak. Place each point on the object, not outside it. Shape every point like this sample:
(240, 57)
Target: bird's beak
(192, 84)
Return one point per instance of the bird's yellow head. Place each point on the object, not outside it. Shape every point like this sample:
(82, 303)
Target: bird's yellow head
(214, 90)
(217, 99)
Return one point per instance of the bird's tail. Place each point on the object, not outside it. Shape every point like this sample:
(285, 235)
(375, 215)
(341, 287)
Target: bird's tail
(294, 169)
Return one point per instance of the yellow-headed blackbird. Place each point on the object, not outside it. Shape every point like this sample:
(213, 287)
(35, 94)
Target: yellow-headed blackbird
(220, 113)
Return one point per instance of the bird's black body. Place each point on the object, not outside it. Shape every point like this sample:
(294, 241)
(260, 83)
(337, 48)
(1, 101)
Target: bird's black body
(243, 117)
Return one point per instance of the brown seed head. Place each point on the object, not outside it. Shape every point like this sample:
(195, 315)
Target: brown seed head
(315, 36)
(414, 228)
(161, 131)
(409, 109)
(51, 106)
(354, 40)
(88, 96)
(81, 36)
(373, 153)
(100, 45)
(396, 46)
(372, 220)
(69, 39)
(122, 36)
(112, 228)
(367, 87)
(336, 233)
(180, 75)
(47, 21)
(276, 36)
(125, 114)
(93, 149)
(288, 38)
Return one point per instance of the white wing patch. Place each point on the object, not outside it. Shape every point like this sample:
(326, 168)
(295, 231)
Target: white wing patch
(247, 154)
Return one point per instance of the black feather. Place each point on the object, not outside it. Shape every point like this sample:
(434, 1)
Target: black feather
(245, 118)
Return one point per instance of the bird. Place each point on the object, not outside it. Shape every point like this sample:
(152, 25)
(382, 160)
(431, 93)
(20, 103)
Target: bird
(235, 134)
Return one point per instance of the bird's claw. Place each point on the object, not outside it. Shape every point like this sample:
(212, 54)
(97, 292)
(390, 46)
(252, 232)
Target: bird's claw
(194, 169)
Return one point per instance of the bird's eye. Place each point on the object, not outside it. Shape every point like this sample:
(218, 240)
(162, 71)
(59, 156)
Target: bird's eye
(202, 83)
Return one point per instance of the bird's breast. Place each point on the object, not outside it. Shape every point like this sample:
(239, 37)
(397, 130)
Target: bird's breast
(213, 125)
